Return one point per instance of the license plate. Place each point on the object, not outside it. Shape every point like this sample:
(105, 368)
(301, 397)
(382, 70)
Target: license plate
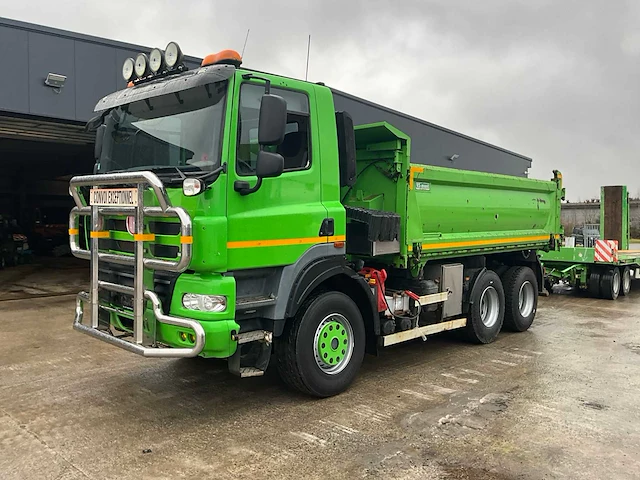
(110, 197)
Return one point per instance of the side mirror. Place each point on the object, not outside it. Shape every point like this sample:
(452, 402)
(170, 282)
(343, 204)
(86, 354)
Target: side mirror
(269, 165)
(273, 120)
(97, 148)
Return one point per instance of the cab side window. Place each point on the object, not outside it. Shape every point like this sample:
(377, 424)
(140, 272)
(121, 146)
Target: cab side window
(296, 147)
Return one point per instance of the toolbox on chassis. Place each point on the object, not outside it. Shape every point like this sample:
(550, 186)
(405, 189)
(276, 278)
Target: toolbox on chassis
(234, 214)
(605, 269)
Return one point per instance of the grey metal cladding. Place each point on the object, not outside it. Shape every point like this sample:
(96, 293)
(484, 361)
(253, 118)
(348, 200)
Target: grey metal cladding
(14, 51)
(190, 79)
(94, 67)
(435, 145)
(48, 54)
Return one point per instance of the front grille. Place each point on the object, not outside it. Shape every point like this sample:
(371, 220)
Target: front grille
(163, 285)
(161, 248)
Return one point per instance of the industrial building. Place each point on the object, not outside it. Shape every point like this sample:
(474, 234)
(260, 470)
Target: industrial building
(54, 81)
(47, 95)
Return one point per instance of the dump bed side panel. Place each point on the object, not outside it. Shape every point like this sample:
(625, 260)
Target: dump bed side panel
(434, 145)
(447, 212)
(463, 211)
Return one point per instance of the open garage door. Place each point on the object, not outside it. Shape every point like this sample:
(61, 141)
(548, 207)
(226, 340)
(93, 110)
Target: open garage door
(37, 158)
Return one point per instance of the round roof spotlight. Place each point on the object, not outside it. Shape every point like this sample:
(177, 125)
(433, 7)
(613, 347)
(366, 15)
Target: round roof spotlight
(127, 69)
(172, 55)
(156, 60)
(142, 65)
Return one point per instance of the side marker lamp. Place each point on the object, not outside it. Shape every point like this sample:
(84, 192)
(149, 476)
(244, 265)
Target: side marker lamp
(192, 186)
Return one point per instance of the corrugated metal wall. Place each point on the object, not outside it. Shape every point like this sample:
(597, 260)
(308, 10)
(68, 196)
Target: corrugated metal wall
(434, 145)
(92, 66)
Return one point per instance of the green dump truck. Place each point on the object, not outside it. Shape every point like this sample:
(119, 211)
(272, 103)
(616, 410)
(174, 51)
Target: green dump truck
(604, 269)
(235, 214)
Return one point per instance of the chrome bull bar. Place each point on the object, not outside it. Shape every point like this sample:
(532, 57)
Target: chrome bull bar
(143, 342)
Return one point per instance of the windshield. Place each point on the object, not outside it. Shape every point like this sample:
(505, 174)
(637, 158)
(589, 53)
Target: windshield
(181, 130)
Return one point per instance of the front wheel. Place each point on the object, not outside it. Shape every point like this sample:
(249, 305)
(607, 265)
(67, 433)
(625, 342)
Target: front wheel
(322, 347)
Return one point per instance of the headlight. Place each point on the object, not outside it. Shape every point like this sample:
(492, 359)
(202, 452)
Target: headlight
(172, 55)
(156, 60)
(127, 68)
(204, 303)
(142, 65)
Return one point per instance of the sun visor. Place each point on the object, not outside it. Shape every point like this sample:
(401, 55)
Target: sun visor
(167, 85)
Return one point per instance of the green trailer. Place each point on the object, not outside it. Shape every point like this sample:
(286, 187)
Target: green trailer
(235, 214)
(605, 270)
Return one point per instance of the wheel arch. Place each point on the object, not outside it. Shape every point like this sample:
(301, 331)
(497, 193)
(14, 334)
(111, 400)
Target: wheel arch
(333, 274)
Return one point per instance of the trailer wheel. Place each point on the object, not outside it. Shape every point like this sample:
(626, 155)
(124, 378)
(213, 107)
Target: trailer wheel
(626, 281)
(610, 284)
(322, 348)
(593, 286)
(486, 312)
(520, 298)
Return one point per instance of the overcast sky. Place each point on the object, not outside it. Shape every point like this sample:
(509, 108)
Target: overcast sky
(558, 81)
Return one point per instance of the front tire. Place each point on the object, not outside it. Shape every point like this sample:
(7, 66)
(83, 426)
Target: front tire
(486, 313)
(520, 298)
(322, 347)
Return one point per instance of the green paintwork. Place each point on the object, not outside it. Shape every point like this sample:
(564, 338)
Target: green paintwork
(291, 206)
(450, 212)
(332, 343)
(442, 216)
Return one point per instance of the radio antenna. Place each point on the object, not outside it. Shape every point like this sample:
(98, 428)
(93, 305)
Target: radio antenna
(245, 42)
(306, 73)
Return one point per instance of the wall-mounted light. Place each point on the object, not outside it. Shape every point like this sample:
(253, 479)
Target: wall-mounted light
(55, 81)
(454, 157)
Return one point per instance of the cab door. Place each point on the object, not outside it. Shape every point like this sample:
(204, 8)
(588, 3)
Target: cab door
(278, 223)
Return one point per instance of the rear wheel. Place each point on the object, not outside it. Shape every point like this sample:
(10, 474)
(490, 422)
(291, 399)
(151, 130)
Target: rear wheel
(626, 281)
(322, 348)
(486, 313)
(610, 284)
(520, 298)
(594, 284)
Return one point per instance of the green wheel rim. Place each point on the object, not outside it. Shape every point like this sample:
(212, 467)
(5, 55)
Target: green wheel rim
(333, 343)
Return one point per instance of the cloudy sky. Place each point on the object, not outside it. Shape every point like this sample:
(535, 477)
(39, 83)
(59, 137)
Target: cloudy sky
(558, 81)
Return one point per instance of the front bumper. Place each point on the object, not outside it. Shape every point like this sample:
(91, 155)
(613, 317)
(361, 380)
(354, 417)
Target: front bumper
(154, 331)
(145, 351)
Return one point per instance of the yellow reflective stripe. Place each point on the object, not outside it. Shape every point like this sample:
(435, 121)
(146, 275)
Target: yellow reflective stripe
(74, 231)
(186, 239)
(99, 234)
(144, 237)
(474, 243)
(285, 241)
